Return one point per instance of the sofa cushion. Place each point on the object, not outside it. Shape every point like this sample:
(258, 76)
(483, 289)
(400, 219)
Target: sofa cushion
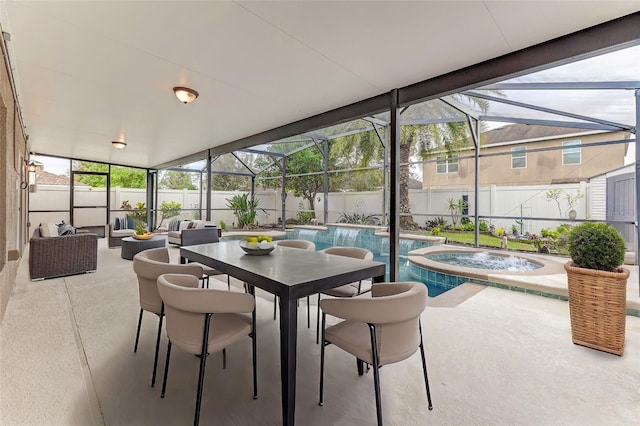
(48, 230)
(122, 232)
(174, 225)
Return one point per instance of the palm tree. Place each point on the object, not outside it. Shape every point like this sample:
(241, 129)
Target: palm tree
(418, 141)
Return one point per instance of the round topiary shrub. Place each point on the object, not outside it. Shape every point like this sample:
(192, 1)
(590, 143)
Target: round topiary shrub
(596, 246)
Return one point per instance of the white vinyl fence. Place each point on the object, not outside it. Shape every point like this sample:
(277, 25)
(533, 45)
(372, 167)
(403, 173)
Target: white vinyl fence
(514, 201)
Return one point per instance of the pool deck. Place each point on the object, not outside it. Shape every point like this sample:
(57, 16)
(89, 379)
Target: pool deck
(550, 279)
(495, 357)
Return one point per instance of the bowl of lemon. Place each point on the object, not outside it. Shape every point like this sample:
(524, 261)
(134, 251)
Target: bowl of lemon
(257, 246)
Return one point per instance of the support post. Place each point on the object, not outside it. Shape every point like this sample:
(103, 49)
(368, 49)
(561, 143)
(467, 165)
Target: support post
(394, 201)
(325, 146)
(283, 195)
(150, 206)
(637, 248)
(476, 189)
(385, 178)
(208, 213)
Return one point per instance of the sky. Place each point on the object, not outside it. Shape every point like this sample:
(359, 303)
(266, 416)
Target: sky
(612, 105)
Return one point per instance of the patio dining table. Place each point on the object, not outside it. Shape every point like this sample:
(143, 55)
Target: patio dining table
(290, 274)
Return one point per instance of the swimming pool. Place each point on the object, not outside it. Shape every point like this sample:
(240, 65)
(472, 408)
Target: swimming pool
(374, 239)
(484, 260)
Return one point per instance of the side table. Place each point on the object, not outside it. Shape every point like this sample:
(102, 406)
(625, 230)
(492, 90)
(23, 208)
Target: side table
(131, 246)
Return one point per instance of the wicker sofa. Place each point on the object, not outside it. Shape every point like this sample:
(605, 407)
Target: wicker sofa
(51, 257)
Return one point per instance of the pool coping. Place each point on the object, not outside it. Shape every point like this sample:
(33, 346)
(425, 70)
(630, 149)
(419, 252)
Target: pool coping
(550, 280)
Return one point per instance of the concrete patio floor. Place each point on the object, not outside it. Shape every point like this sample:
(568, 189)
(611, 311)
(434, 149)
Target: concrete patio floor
(494, 356)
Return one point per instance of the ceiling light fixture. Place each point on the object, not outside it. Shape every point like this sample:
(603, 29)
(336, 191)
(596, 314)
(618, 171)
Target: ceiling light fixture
(119, 144)
(185, 95)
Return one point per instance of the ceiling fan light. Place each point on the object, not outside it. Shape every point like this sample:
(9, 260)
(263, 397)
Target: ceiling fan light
(119, 144)
(185, 95)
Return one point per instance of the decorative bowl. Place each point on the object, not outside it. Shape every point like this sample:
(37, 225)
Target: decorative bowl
(257, 249)
(146, 236)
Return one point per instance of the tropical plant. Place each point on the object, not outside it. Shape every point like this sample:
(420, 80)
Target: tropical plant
(571, 198)
(169, 209)
(438, 222)
(456, 207)
(223, 225)
(139, 227)
(139, 212)
(304, 216)
(357, 218)
(483, 226)
(596, 246)
(244, 209)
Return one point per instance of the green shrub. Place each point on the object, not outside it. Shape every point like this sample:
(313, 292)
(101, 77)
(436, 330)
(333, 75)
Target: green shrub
(357, 218)
(483, 226)
(547, 233)
(469, 226)
(565, 228)
(499, 232)
(436, 232)
(596, 246)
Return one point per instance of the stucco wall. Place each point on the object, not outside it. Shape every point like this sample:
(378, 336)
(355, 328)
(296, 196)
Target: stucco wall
(13, 205)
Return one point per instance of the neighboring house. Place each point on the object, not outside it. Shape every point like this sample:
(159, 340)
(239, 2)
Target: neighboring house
(522, 167)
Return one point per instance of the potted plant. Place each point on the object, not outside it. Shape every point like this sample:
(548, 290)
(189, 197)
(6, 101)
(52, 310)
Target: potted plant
(597, 287)
(140, 231)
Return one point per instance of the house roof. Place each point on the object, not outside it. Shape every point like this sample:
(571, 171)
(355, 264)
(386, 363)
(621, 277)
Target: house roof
(519, 132)
(48, 178)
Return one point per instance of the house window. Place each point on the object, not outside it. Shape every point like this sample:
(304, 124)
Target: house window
(447, 165)
(519, 157)
(571, 154)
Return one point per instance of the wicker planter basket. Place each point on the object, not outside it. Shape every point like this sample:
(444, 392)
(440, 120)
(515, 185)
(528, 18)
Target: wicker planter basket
(597, 306)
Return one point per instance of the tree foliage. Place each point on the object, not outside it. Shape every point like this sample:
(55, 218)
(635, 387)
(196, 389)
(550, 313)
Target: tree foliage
(172, 179)
(124, 177)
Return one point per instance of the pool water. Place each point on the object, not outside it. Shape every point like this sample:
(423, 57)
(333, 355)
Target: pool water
(485, 261)
(405, 274)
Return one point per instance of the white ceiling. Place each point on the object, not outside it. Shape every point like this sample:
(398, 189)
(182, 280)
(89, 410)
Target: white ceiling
(92, 72)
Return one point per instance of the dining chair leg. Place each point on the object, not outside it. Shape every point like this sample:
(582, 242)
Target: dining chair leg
(308, 313)
(155, 358)
(135, 347)
(224, 358)
(275, 306)
(376, 372)
(254, 353)
(318, 322)
(321, 402)
(360, 365)
(166, 370)
(203, 364)
(424, 368)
